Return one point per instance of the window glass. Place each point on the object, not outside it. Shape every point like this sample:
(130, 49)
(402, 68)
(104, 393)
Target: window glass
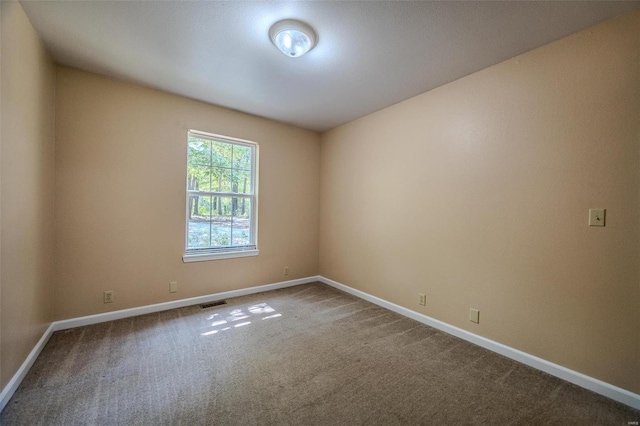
(221, 197)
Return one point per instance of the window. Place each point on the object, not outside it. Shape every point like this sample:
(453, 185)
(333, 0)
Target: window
(221, 197)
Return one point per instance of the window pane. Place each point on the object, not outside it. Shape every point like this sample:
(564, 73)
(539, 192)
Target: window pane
(241, 221)
(199, 221)
(222, 154)
(221, 222)
(216, 179)
(242, 157)
(221, 180)
(241, 181)
(199, 178)
(200, 207)
(199, 152)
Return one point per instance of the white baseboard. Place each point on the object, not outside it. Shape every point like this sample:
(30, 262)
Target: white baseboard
(598, 386)
(17, 378)
(148, 309)
(610, 391)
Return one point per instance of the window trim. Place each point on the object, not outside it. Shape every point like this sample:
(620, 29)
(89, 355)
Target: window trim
(229, 252)
(188, 258)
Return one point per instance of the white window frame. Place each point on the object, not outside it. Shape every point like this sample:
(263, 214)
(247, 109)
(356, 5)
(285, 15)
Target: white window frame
(215, 253)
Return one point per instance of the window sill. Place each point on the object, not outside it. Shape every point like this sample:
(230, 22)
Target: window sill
(218, 256)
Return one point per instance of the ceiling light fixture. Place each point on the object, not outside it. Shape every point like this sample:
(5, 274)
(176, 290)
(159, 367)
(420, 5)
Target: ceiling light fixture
(293, 38)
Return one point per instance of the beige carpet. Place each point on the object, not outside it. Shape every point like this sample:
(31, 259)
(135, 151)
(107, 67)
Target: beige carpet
(306, 355)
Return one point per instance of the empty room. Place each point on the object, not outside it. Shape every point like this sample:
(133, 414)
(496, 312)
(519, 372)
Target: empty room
(319, 213)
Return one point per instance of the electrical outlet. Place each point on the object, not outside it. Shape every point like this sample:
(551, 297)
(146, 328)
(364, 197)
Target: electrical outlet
(108, 296)
(173, 287)
(286, 270)
(474, 315)
(422, 299)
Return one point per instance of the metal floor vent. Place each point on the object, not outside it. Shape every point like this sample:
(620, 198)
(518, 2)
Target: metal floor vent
(212, 304)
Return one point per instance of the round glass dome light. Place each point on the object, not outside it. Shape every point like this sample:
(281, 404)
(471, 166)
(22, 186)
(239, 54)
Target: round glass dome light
(292, 37)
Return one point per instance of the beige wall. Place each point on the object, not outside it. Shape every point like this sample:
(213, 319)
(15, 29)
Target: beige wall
(27, 173)
(120, 197)
(476, 193)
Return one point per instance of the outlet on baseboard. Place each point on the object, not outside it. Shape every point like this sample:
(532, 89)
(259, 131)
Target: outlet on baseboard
(108, 296)
(173, 287)
(422, 299)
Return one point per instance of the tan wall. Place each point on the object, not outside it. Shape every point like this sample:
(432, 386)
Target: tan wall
(476, 193)
(120, 197)
(27, 173)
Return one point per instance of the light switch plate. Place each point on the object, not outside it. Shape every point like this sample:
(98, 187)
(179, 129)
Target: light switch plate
(596, 217)
(474, 315)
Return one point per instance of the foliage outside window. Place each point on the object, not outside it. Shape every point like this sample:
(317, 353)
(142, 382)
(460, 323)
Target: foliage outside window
(221, 197)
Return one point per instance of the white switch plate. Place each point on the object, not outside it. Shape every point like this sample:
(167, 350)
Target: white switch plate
(474, 315)
(596, 217)
(173, 287)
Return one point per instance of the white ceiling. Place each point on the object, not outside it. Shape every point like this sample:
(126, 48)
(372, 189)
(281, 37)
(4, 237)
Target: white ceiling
(370, 54)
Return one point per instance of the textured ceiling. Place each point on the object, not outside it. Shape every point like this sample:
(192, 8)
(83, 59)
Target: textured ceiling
(370, 54)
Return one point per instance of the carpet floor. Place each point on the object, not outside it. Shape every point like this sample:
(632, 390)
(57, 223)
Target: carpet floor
(304, 355)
